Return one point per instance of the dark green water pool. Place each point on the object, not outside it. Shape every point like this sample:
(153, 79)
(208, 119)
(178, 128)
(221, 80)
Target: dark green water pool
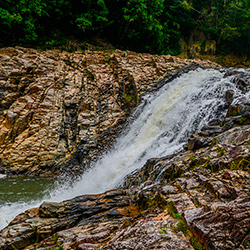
(18, 189)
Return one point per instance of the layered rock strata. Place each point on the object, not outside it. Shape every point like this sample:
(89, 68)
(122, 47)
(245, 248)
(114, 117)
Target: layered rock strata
(197, 199)
(57, 108)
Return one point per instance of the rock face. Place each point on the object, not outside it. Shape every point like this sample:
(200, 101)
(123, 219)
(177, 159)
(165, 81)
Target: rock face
(56, 108)
(197, 199)
(106, 221)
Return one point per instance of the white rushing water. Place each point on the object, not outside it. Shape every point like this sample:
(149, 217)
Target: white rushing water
(162, 127)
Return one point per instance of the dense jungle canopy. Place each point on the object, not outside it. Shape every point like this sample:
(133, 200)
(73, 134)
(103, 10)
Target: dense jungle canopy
(153, 26)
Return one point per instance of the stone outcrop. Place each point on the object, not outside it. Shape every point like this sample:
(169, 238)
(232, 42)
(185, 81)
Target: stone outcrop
(89, 222)
(196, 199)
(56, 108)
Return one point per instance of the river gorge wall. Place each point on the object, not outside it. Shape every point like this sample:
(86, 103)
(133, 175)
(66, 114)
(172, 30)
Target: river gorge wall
(59, 110)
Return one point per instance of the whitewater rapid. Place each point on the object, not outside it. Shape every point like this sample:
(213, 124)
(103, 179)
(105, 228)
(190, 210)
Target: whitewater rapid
(166, 119)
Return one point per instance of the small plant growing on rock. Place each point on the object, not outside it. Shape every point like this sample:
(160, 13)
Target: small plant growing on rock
(55, 241)
(240, 164)
(214, 141)
(178, 216)
(220, 151)
(171, 209)
(55, 238)
(198, 162)
(242, 119)
(196, 245)
(13, 246)
(197, 202)
(180, 189)
(151, 202)
(210, 166)
(192, 158)
(164, 229)
(181, 226)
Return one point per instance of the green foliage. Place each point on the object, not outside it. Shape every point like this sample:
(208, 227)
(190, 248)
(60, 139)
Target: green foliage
(59, 247)
(8, 18)
(55, 241)
(154, 26)
(186, 5)
(242, 119)
(240, 164)
(225, 21)
(140, 25)
(93, 15)
(220, 151)
(129, 97)
(155, 201)
(13, 246)
(197, 202)
(142, 20)
(151, 202)
(55, 238)
(198, 162)
(164, 229)
(196, 245)
(180, 189)
(171, 209)
(21, 16)
(181, 226)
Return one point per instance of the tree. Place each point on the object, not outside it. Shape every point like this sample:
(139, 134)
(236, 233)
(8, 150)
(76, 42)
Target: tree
(21, 17)
(91, 15)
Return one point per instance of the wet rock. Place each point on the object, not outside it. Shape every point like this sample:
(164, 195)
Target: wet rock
(241, 79)
(229, 96)
(211, 130)
(181, 202)
(196, 142)
(79, 212)
(168, 189)
(238, 114)
(84, 246)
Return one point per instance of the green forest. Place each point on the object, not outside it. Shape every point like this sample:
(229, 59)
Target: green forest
(153, 26)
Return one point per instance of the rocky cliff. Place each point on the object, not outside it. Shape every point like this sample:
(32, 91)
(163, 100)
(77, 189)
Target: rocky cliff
(57, 108)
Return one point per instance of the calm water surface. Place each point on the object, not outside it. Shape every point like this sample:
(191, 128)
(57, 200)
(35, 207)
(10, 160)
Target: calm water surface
(21, 189)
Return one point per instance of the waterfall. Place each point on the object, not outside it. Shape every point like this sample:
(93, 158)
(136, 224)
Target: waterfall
(164, 123)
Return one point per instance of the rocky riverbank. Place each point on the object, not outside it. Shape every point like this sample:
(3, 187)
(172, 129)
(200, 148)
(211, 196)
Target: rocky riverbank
(59, 110)
(197, 199)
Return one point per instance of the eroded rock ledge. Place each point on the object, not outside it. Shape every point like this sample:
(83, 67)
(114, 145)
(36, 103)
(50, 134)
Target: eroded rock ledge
(57, 108)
